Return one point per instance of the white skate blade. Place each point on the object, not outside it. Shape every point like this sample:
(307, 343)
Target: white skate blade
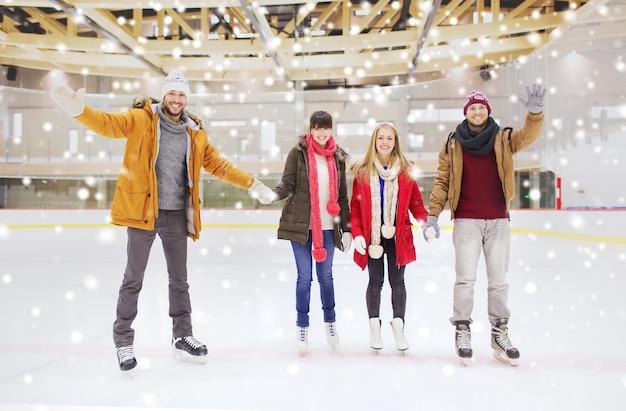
(465, 360)
(500, 356)
(302, 349)
(184, 356)
(128, 375)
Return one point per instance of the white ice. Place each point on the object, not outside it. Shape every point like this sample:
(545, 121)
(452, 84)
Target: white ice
(58, 291)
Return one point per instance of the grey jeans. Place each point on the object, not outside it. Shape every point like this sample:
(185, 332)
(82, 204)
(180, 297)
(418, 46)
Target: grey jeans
(493, 238)
(171, 226)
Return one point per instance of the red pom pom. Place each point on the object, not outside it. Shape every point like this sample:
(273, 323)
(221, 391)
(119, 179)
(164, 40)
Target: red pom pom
(319, 254)
(333, 208)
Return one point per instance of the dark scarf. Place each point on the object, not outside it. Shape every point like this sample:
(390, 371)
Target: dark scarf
(480, 143)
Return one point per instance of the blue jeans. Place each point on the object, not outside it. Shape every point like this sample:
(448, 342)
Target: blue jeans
(304, 265)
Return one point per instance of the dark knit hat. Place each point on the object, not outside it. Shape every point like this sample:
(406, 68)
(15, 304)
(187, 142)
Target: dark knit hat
(476, 97)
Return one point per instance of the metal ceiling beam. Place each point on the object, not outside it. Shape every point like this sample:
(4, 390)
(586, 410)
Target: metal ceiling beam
(265, 33)
(423, 35)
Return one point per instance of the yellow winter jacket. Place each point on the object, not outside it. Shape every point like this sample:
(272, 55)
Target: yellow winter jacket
(450, 169)
(135, 202)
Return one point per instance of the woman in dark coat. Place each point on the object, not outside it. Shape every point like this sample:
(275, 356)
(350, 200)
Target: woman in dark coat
(315, 218)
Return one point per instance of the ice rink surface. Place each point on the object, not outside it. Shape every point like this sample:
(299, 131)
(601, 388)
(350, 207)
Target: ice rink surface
(58, 291)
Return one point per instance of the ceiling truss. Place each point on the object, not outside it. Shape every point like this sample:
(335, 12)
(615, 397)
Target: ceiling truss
(231, 40)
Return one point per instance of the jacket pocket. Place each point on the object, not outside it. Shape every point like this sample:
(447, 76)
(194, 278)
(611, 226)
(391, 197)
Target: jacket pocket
(131, 198)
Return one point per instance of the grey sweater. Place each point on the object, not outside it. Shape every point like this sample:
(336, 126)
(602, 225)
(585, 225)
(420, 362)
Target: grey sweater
(171, 163)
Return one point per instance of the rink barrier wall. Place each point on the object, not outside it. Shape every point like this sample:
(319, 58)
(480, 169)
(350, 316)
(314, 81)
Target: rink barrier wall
(602, 226)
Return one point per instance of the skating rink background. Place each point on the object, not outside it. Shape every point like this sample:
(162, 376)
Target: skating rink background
(61, 269)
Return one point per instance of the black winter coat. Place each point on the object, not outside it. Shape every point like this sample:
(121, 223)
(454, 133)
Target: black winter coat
(295, 220)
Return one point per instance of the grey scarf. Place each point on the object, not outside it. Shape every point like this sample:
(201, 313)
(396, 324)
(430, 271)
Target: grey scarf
(171, 164)
(480, 143)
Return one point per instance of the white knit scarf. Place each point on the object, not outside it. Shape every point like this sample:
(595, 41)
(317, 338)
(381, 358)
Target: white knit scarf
(390, 195)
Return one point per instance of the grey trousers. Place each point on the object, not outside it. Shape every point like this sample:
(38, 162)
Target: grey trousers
(171, 226)
(493, 239)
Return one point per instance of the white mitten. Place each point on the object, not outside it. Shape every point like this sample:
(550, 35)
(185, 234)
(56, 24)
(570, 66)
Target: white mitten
(359, 244)
(346, 240)
(261, 192)
(68, 100)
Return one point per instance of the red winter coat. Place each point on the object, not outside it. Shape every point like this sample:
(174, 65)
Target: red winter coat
(409, 198)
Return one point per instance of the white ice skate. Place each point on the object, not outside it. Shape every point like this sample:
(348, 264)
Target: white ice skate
(332, 337)
(397, 325)
(302, 340)
(376, 340)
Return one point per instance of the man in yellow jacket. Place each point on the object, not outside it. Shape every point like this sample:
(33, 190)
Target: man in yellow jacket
(476, 177)
(157, 193)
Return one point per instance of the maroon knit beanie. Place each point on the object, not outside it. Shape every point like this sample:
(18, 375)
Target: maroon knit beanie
(476, 97)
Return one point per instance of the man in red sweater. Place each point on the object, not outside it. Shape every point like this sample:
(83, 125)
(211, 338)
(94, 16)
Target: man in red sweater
(476, 176)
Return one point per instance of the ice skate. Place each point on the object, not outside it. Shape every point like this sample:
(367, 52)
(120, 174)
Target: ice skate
(503, 350)
(463, 342)
(302, 339)
(189, 349)
(376, 339)
(397, 324)
(331, 334)
(126, 358)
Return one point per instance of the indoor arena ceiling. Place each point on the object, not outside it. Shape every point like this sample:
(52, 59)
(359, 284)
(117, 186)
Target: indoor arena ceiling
(332, 42)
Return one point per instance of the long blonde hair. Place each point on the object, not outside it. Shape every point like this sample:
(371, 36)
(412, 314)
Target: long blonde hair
(368, 161)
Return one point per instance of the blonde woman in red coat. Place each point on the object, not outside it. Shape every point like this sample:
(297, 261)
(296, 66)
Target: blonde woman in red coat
(384, 191)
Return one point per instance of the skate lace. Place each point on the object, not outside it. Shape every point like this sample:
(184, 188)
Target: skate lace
(330, 329)
(502, 338)
(192, 342)
(126, 353)
(302, 335)
(464, 339)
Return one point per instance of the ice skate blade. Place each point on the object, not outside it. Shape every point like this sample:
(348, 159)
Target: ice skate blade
(333, 342)
(502, 357)
(184, 356)
(128, 375)
(302, 349)
(465, 361)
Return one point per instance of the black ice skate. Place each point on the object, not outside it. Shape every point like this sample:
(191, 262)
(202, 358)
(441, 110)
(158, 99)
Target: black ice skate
(189, 349)
(463, 342)
(503, 350)
(126, 358)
